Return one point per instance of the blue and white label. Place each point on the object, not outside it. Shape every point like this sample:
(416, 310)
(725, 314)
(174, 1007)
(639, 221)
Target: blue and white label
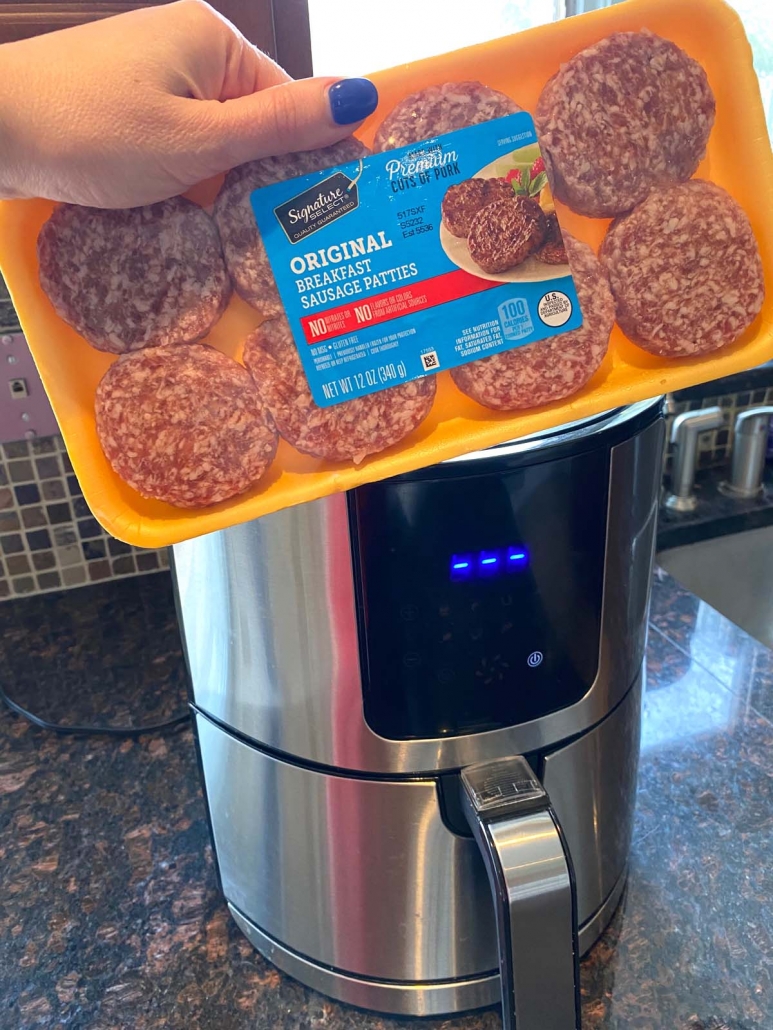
(515, 319)
(380, 288)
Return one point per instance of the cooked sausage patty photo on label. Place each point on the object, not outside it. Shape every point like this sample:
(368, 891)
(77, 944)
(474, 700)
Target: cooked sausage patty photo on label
(348, 431)
(134, 278)
(438, 109)
(555, 368)
(243, 247)
(464, 200)
(626, 115)
(502, 235)
(552, 251)
(184, 425)
(685, 271)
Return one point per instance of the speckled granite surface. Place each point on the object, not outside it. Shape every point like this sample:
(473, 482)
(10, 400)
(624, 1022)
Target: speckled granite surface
(109, 911)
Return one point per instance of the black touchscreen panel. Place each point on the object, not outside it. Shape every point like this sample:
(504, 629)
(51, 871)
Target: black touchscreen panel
(480, 597)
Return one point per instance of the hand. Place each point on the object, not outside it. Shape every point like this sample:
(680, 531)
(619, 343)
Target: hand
(138, 107)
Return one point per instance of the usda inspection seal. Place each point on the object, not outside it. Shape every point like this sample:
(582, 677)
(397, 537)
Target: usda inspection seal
(555, 309)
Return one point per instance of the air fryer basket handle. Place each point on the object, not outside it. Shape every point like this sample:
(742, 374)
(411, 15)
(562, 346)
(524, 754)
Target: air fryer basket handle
(533, 889)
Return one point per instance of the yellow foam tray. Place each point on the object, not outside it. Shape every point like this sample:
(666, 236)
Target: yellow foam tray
(738, 158)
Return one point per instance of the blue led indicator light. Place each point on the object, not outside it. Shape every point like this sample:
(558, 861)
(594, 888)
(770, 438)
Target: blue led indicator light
(488, 563)
(461, 566)
(517, 558)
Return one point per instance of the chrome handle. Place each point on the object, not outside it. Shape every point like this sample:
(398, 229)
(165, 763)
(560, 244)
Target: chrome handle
(753, 419)
(749, 447)
(509, 813)
(685, 430)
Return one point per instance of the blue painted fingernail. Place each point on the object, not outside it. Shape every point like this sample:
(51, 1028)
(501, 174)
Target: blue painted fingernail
(351, 100)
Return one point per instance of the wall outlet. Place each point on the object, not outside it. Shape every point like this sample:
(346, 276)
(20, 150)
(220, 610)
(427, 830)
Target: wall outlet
(24, 408)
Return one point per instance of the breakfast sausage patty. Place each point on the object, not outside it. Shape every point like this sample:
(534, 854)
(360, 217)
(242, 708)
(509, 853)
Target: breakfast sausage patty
(134, 278)
(685, 270)
(555, 368)
(438, 109)
(627, 114)
(504, 234)
(464, 200)
(349, 431)
(184, 425)
(552, 251)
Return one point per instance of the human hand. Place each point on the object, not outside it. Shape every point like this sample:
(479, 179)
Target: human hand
(138, 107)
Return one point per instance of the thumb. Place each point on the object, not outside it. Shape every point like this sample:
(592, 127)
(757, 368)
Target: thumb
(300, 115)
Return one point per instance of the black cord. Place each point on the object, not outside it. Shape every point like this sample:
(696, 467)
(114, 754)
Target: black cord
(92, 731)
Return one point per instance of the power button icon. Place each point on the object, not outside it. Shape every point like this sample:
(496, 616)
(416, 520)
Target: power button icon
(535, 659)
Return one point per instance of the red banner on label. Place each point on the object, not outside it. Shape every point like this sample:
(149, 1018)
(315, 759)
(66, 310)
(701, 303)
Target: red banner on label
(393, 304)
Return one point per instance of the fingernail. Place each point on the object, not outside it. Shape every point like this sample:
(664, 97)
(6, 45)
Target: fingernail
(351, 100)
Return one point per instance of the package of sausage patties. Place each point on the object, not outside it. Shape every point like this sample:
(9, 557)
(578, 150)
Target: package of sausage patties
(525, 233)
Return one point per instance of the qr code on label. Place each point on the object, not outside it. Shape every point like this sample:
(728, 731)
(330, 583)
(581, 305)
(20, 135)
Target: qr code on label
(430, 360)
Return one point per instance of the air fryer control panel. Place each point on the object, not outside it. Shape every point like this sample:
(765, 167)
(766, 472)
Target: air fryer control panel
(479, 596)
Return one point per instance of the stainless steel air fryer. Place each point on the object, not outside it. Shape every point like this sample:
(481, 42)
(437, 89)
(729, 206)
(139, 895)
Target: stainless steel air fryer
(417, 708)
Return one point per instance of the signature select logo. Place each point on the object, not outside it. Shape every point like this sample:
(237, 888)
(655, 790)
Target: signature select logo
(324, 202)
(318, 206)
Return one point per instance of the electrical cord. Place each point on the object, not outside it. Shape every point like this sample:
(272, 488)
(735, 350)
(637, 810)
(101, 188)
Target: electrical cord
(91, 731)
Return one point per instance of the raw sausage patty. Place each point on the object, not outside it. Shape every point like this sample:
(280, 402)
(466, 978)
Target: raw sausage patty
(555, 368)
(464, 200)
(504, 234)
(140, 277)
(349, 431)
(438, 109)
(184, 425)
(244, 252)
(628, 114)
(685, 270)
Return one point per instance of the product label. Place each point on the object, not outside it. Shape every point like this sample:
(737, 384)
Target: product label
(387, 276)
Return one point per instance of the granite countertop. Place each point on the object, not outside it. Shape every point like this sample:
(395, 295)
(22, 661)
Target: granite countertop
(110, 916)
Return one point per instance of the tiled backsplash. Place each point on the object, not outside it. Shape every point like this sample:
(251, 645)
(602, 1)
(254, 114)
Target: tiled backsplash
(9, 322)
(48, 537)
(715, 447)
(49, 540)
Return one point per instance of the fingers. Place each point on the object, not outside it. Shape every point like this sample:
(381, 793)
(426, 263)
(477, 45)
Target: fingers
(210, 59)
(292, 116)
(248, 70)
